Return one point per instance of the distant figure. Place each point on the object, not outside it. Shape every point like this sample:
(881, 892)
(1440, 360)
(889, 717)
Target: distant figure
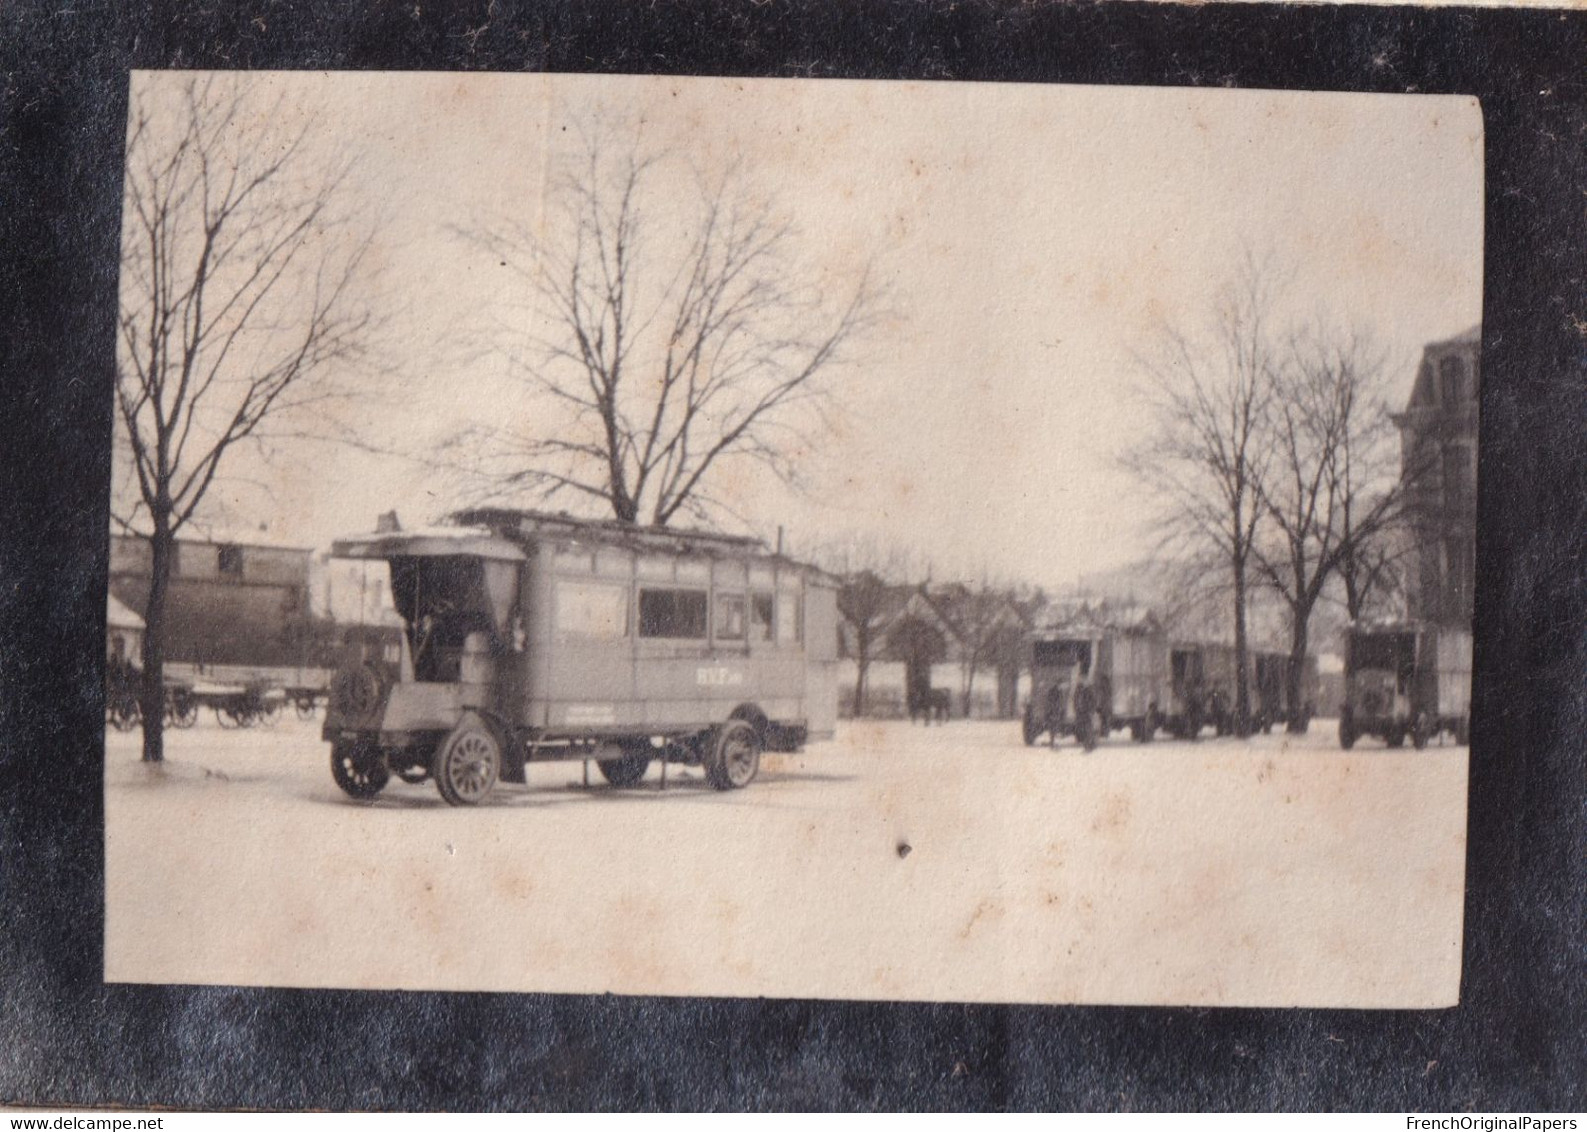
(1195, 710)
(927, 703)
(1085, 716)
(1054, 715)
(1218, 711)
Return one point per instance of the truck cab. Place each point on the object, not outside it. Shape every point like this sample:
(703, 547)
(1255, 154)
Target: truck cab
(1062, 691)
(1404, 679)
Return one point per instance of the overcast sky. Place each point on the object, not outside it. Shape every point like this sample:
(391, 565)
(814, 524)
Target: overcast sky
(1030, 237)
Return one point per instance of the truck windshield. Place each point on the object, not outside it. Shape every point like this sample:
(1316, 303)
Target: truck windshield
(1389, 652)
(443, 600)
(1063, 654)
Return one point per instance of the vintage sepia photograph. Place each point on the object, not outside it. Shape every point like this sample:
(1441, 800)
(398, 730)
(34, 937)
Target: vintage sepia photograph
(955, 542)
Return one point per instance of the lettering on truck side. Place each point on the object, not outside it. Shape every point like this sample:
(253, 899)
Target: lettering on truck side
(718, 677)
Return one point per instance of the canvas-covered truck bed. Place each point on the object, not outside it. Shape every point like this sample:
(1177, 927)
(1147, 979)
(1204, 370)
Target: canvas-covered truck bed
(1134, 666)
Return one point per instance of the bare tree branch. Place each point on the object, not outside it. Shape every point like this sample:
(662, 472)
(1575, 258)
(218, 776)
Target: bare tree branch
(657, 353)
(1211, 393)
(241, 305)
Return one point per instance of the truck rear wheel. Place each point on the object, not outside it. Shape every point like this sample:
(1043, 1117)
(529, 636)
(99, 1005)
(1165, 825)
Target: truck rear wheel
(735, 756)
(358, 769)
(466, 765)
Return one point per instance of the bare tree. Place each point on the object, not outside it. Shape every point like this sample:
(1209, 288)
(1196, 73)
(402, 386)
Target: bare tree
(872, 592)
(867, 602)
(1369, 578)
(1331, 492)
(978, 617)
(662, 347)
(1207, 459)
(1370, 559)
(238, 305)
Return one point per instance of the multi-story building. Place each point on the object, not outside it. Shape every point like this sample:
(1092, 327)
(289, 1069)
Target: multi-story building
(1438, 465)
(231, 603)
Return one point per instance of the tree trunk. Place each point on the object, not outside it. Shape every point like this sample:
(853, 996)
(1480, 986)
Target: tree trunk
(1295, 671)
(1242, 682)
(969, 688)
(862, 666)
(151, 699)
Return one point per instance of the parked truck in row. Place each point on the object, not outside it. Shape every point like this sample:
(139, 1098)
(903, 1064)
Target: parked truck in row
(1406, 680)
(1089, 679)
(1267, 689)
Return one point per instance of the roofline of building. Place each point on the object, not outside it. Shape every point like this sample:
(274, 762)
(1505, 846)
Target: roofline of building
(1469, 337)
(248, 544)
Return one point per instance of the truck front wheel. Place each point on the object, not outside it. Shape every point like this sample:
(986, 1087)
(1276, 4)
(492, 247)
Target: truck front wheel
(466, 764)
(358, 769)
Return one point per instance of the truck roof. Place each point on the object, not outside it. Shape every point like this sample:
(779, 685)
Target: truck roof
(515, 524)
(428, 542)
(507, 533)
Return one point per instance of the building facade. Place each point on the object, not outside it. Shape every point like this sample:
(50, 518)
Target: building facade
(229, 603)
(1438, 466)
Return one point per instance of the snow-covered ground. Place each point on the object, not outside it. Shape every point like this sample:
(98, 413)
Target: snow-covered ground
(897, 862)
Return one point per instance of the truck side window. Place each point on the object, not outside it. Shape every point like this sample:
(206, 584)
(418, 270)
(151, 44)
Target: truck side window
(592, 609)
(674, 614)
(760, 611)
(730, 617)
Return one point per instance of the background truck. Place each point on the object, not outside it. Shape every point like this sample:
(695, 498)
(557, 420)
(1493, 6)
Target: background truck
(1406, 679)
(1088, 680)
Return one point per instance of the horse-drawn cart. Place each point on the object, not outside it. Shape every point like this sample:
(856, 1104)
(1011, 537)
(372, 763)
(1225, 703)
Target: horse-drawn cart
(240, 705)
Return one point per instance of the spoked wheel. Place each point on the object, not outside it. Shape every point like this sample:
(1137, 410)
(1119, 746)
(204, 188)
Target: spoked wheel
(304, 707)
(626, 771)
(467, 764)
(358, 769)
(735, 758)
(124, 713)
(181, 711)
(269, 712)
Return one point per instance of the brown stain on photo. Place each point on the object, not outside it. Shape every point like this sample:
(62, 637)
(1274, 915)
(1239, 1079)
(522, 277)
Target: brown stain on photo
(1115, 814)
(990, 908)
